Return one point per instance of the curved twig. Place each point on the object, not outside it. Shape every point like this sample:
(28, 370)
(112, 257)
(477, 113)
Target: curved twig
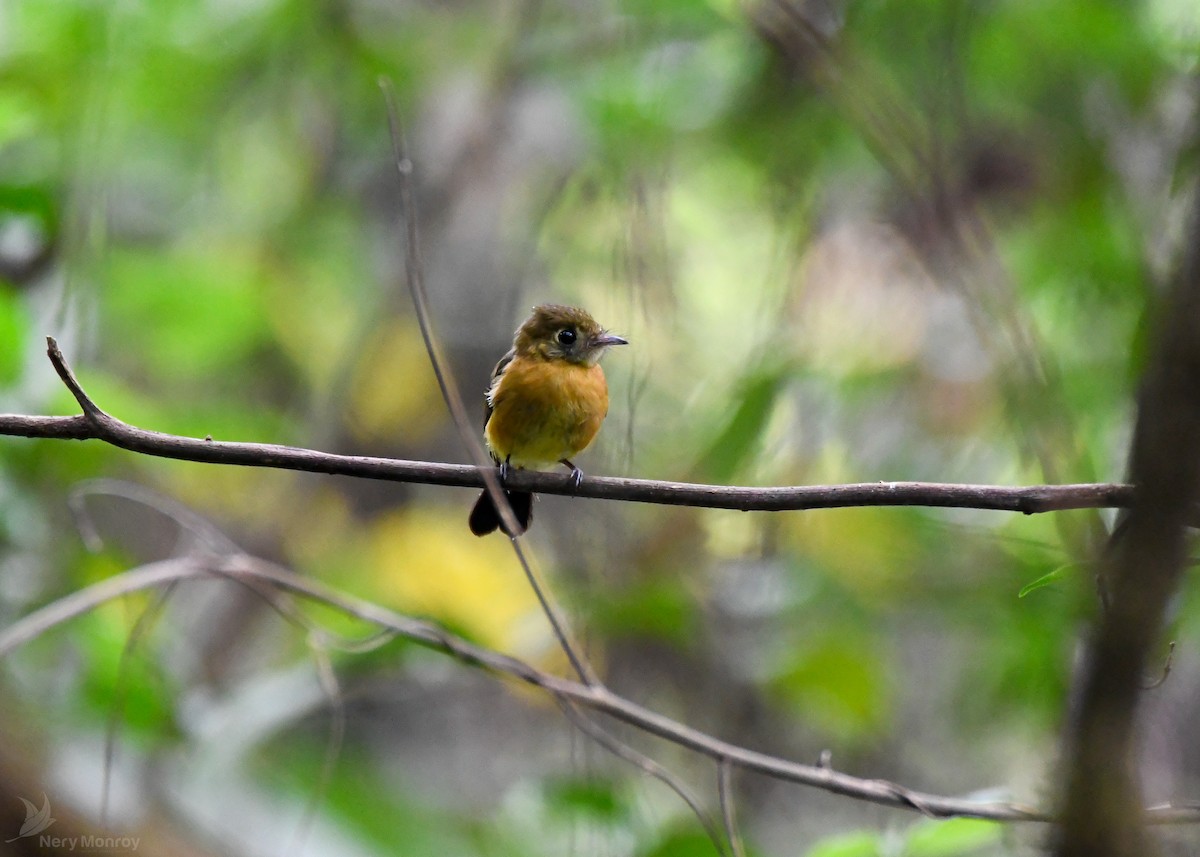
(1166, 669)
(202, 531)
(599, 699)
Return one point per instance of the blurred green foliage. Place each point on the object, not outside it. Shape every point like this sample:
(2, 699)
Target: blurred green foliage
(957, 837)
(926, 245)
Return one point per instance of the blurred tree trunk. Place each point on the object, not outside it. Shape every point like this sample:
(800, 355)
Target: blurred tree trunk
(1140, 573)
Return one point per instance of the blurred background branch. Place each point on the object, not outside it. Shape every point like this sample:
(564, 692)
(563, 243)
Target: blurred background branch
(248, 570)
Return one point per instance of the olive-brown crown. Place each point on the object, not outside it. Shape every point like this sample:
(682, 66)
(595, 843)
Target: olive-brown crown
(555, 331)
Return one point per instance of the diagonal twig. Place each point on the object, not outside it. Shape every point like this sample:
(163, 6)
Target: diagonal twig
(645, 764)
(414, 272)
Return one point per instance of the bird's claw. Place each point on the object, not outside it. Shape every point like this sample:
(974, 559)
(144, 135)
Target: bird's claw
(576, 474)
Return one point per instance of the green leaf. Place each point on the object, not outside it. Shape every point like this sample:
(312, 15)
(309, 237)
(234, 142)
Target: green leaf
(689, 842)
(654, 608)
(861, 844)
(950, 838)
(1044, 580)
(191, 314)
(839, 684)
(359, 799)
(738, 440)
(143, 691)
(19, 116)
(13, 329)
(600, 799)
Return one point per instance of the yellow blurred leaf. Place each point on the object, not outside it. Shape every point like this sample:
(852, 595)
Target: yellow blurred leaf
(324, 536)
(255, 498)
(394, 391)
(313, 321)
(427, 563)
(864, 549)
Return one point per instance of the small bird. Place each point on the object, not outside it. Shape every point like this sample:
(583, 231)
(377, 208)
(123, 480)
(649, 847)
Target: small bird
(545, 403)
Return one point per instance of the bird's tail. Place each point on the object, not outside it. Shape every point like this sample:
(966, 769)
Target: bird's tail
(484, 517)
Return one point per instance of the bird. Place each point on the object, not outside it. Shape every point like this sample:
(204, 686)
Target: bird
(545, 403)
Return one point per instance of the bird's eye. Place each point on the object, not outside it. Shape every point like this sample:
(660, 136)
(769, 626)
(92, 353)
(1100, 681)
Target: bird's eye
(566, 336)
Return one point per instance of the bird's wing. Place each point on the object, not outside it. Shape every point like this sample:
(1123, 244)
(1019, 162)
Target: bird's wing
(496, 373)
(491, 390)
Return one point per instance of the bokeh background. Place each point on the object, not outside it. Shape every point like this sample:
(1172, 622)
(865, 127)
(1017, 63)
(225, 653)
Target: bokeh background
(848, 241)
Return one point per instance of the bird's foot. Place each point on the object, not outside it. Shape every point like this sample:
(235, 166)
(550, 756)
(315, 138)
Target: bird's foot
(576, 473)
(505, 469)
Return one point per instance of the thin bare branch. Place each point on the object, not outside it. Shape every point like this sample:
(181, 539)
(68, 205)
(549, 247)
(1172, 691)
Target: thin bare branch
(141, 627)
(1028, 500)
(1166, 669)
(728, 816)
(415, 278)
(320, 642)
(486, 469)
(84, 600)
(643, 763)
(77, 427)
(333, 745)
(600, 699)
(205, 534)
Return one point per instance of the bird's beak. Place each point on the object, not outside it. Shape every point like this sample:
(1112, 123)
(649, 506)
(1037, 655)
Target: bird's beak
(606, 339)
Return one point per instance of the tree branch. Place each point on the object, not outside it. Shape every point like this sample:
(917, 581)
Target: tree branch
(96, 424)
(596, 698)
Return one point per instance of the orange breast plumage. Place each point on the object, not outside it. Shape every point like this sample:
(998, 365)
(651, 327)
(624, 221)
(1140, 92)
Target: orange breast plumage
(545, 410)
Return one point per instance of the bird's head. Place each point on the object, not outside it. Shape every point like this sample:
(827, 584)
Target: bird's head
(556, 332)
